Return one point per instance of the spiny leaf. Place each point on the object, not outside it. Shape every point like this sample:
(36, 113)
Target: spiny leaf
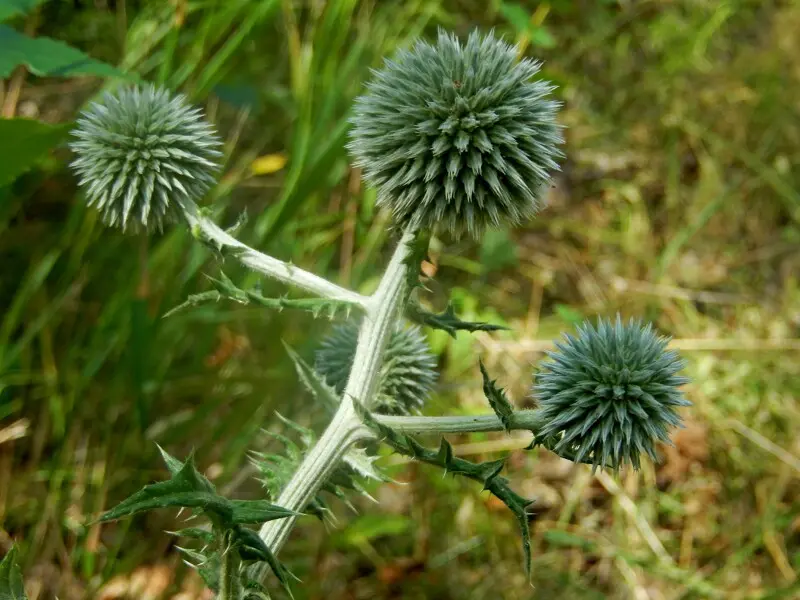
(11, 585)
(497, 399)
(188, 488)
(316, 306)
(417, 252)
(487, 473)
(315, 384)
(252, 548)
(254, 512)
(207, 565)
(196, 533)
(447, 320)
(363, 464)
(277, 469)
(173, 464)
(168, 494)
(194, 300)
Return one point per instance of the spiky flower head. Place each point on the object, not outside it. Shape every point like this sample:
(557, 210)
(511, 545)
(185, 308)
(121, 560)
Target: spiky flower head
(457, 134)
(407, 375)
(142, 154)
(610, 394)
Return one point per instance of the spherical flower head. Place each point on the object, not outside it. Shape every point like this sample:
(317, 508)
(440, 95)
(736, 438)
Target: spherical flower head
(407, 375)
(610, 394)
(458, 135)
(142, 155)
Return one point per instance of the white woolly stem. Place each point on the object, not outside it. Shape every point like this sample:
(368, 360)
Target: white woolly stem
(522, 419)
(202, 227)
(382, 310)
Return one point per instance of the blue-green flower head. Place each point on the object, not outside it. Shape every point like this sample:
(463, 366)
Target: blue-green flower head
(407, 376)
(142, 155)
(610, 394)
(456, 134)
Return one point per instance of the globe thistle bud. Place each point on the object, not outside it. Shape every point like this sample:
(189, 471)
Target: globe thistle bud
(609, 394)
(407, 375)
(457, 134)
(142, 155)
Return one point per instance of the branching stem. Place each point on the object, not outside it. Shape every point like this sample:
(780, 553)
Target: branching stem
(381, 313)
(267, 265)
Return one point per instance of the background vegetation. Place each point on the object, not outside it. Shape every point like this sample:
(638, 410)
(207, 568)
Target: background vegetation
(678, 202)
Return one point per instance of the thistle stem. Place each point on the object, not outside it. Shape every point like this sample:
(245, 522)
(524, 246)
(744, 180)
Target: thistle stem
(205, 228)
(382, 310)
(228, 573)
(521, 419)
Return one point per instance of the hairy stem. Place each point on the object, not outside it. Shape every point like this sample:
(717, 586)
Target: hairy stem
(522, 419)
(382, 311)
(203, 227)
(229, 572)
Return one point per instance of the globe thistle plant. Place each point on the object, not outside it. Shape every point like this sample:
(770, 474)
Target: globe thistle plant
(143, 155)
(407, 375)
(457, 134)
(610, 394)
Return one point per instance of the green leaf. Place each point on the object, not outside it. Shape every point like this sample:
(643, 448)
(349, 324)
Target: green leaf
(206, 563)
(418, 251)
(11, 587)
(488, 473)
(447, 320)
(313, 382)
(25, 142)
(47, 58)
(195, 533)
(255, 512)
(363, 464)
(187, 489)
(225, 288)
(210, 297)
(252, 548)
(14, 8)
(497, 399)
(173, 464)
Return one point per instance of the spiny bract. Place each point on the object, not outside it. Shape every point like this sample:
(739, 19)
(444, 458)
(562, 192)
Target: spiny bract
(609, 394)
(407, 375)
(457, 134)
(142, 155)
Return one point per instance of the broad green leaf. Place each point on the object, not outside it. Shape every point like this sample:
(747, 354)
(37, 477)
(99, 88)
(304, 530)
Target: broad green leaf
(14, 8)
(25, 142)
(45, 57)
(11, 587)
